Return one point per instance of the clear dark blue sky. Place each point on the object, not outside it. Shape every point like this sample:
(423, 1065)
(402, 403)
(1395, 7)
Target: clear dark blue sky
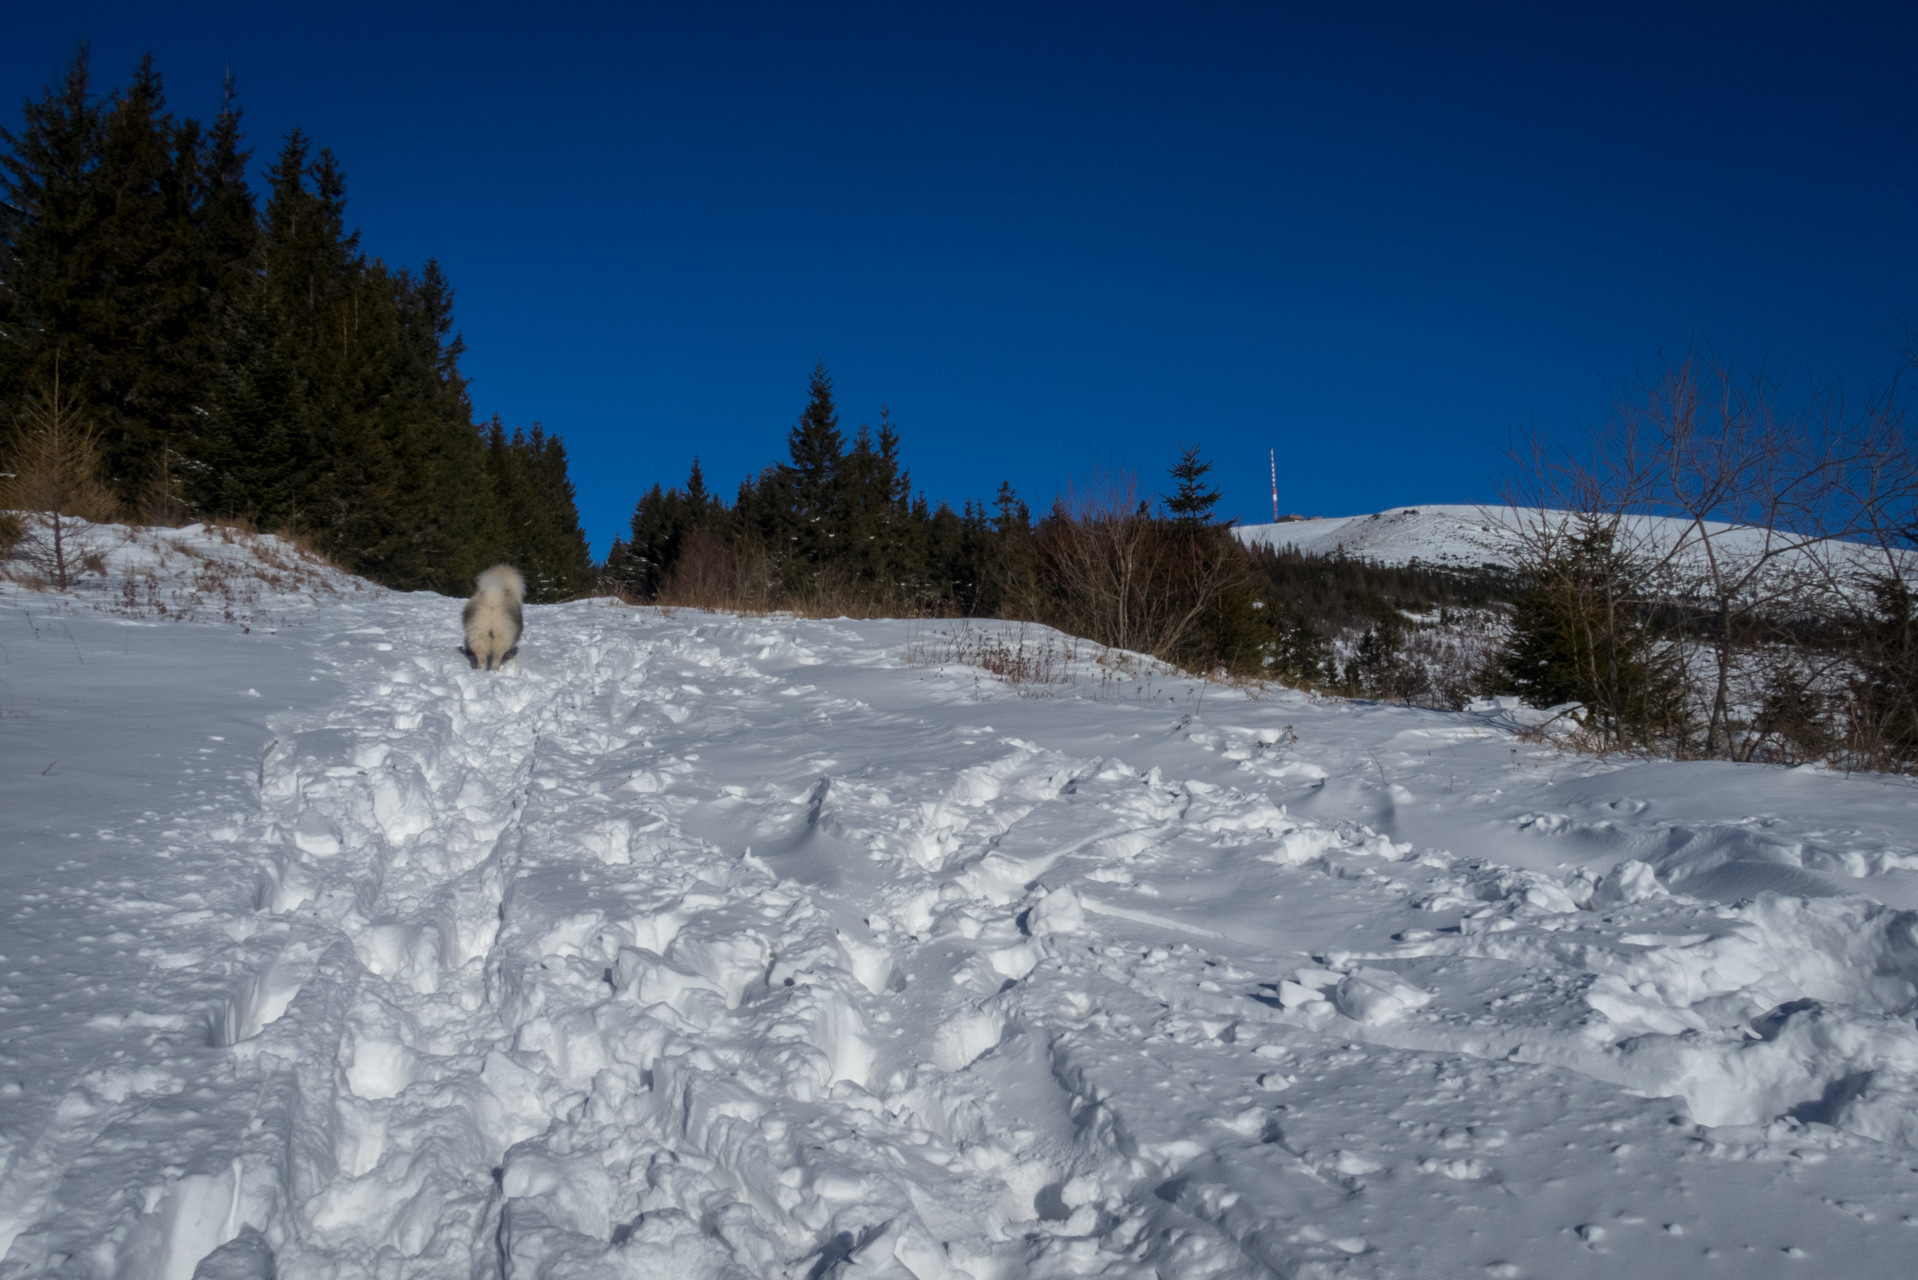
(1380, 238)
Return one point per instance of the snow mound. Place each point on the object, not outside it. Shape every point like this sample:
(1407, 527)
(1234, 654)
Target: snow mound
(200, 572)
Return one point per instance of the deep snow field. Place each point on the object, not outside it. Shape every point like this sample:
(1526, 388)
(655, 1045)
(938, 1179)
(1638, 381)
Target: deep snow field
(705, 946)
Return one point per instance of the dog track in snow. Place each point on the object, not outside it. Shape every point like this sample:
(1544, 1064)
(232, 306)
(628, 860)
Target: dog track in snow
(648, 956)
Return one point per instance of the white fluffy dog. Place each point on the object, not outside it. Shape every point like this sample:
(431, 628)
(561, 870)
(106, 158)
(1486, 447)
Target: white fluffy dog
(492, 618)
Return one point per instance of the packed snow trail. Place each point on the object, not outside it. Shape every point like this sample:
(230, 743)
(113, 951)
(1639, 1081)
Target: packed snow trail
(717, 947)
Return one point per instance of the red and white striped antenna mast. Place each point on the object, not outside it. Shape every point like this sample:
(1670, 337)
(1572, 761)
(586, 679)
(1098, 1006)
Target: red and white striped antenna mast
(1275, 486)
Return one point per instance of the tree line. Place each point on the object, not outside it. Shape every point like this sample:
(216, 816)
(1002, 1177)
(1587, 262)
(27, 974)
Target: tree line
(237, 355)
(837, 528)
(1713, 577)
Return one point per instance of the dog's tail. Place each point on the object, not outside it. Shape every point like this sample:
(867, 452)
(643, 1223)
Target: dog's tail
(503, 578)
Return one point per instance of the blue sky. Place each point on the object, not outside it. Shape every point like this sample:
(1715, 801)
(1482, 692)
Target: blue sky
(1381, 239)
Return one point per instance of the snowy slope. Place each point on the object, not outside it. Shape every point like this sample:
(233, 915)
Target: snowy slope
(1471, 536)
(1448, 535)
(706, 946)
(197, 573)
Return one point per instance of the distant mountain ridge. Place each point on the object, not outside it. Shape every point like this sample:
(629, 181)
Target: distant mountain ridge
(1470, 537)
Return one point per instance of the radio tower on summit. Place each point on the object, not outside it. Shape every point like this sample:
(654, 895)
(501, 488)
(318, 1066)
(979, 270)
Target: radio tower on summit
(1275, 486)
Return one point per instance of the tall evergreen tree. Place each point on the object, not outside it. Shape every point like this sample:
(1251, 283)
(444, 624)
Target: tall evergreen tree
(309, 253)
(1191, 502)
(697, 498)
(48, 169)
(229, 222)
(253, 454)
(542, 535)
(813, 483)
(1009, 579)
(874, 536)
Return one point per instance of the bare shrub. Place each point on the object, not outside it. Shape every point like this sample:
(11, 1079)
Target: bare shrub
(56, 487)
(1122, 578)
(1039, 662)
(162, 503)
(1763, 605)
(1034, 665)
(712, 572)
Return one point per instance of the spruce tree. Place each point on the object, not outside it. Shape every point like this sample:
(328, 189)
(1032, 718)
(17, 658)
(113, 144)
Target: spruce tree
(105, 271)
(700, 501)
(126, 316)
(228, 221)
(762, 512)
(813, 482)
(254, 451)
(51, 253)
(648, 554)
(901, 560)
(542, 536)
(1580, 634)
(308, 252)
(1009, 578)
(1191, 502)
(391, 483)
(866, 538)
(233, 327)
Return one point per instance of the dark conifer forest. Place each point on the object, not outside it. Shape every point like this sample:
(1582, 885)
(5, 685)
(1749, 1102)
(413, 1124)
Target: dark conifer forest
(238, 356)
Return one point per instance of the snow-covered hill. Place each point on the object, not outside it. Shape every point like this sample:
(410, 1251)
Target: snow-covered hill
(707, 946)
(1468, 537)
(1461, 537)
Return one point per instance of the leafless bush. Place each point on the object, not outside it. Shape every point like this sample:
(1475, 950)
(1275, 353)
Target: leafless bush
(1126, 579)
(163, 501)
(55, 484)
(1735, 564)
(1036, 665)
(712, 572)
